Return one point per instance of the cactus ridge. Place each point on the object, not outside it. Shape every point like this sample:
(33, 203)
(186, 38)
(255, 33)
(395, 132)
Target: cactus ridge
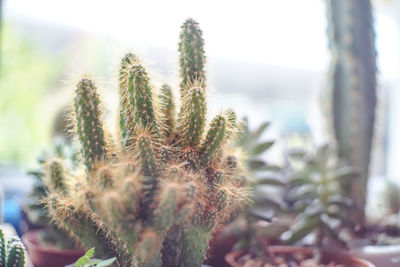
(169, 185)
(12, 251)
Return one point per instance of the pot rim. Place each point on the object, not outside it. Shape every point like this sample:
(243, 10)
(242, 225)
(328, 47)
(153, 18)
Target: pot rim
(30, 240)
(231, 257)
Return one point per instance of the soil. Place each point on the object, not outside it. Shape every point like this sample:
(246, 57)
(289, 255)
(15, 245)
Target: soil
(293, 260)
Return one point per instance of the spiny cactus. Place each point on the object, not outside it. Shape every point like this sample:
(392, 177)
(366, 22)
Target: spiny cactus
(353, 87)
(157, 200)
(12, 251)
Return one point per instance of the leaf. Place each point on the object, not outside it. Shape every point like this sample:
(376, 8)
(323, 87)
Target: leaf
(261, 148)
(344, 173)
(256, 164)
(297, 154)
(107, 262)
(307, 226)
(85, 258)
(270, 181)
(341, 201)
(259, 131)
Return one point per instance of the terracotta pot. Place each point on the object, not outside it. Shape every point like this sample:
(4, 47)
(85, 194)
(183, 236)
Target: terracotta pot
(388, 256)
(336, 256)
(46, 256)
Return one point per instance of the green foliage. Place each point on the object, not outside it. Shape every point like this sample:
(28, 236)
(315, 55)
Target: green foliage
(12, 252)
(317, 199)
(87, 261)
(27, 71)
(164, 186)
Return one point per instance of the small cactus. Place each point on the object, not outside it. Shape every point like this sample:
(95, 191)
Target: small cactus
(158, 199)
(12, 251)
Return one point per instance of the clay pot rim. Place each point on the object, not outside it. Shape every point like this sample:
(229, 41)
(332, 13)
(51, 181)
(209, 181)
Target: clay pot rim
(30, 241)
(231, 257)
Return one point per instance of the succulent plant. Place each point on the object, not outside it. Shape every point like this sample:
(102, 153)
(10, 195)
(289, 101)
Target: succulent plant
(155, 197)
(317, 199)
(352, 93)
(12, 251)
(34, 208)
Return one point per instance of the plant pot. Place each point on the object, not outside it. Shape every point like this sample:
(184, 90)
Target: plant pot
(387, 256)
(336, 256)
(42, 256)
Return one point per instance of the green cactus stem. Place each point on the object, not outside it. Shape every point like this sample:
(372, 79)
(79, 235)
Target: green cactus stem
(353, 90)
(12, 251)
(167, 108)
(192, 57)
(88, 123)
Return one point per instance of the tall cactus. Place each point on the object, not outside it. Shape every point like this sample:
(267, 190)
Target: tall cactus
(12, 252)
(158, 200)
(353, 87)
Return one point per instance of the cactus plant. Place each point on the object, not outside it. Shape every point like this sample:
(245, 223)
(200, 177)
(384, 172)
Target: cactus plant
(156, 197)
(34, 209)
(12, 251)
(353, 87)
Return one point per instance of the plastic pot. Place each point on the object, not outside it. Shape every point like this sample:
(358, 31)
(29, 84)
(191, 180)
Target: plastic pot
(44, 256)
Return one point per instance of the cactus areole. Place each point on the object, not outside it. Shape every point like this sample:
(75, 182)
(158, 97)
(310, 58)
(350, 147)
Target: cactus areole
(155, 196)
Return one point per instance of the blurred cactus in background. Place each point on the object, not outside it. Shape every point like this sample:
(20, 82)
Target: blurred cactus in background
(33, 207)
(353, 88)
(12, 251)
(155, 197)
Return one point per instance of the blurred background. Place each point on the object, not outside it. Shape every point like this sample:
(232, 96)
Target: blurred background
(268, 59)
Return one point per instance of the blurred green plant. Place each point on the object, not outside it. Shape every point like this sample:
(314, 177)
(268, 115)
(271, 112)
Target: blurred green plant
(26, 72)
(260, 218)
(317, 199)
(33, 206)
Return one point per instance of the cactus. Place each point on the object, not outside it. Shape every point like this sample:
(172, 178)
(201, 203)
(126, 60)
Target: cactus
(12, 251)
(353, 87)
(158, 199)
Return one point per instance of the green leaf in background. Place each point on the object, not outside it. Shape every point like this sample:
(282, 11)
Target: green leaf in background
(85, 258)
(261, 148)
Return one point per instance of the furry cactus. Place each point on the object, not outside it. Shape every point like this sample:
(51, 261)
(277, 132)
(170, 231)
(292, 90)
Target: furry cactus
(12, 252)
(157, 200)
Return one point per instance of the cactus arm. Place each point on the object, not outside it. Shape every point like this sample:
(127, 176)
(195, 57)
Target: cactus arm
(126, 108)
(192, 57)
(140, 90)
(167, 108)
(15, 253)
(57, 177)
(146, 157)
(195, 242)
(214, 139)
(88, 123)
(193, 116)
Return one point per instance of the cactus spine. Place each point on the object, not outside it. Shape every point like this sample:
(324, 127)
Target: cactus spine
(12, 252)
(353, 92)
(160, 198)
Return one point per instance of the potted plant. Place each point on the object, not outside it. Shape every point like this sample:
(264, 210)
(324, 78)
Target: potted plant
(154, 197)
(47, 245)
(380, 241)
(321, 211)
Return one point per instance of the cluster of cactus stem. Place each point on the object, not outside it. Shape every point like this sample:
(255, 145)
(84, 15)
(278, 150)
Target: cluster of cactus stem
(12, 251)
(155, 196)
(353, 87)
